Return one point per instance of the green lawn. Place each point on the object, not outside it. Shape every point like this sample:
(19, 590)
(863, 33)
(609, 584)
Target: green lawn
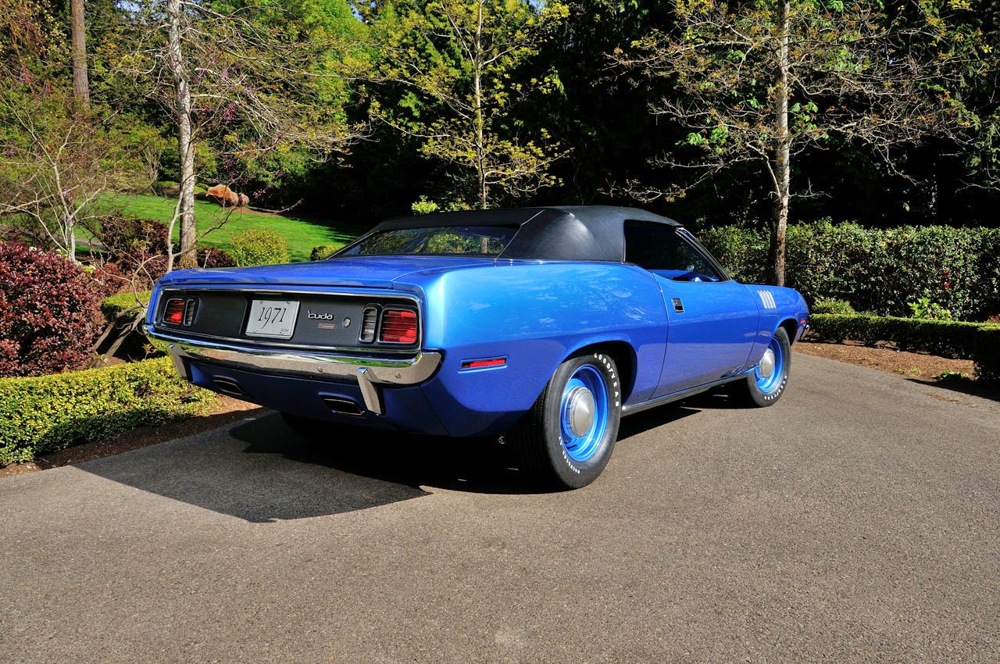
(302, 234)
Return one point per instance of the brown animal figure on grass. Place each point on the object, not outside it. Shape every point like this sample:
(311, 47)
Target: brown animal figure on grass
(226, 197)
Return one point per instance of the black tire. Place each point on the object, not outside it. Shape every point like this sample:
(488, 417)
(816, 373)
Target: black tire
(567, 445)
(768, 380)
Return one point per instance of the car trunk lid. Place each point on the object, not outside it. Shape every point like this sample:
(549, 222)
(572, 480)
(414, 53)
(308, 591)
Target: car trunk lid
(350, 272)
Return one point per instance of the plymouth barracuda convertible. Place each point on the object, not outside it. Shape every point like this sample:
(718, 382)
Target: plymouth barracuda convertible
(541, 327)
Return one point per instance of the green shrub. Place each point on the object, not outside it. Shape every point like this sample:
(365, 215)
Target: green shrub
(876, 270)
(971, 341)
(944, 338)
(741, 250)
(132, 303)
(423, 206)
(924, 309)
(258, 246)
(48, 413)
(830, 306)
(842, 261)
(323, 251)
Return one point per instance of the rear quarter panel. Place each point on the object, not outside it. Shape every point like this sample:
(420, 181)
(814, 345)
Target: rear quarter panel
(535, 315)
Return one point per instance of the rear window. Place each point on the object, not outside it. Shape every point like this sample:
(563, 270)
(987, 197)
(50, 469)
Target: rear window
(435, 241)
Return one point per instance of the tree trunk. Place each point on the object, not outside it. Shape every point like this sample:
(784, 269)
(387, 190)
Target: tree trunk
(782, 152)
(71, 240)
(479, 119)
(185, 143)
(78, 29)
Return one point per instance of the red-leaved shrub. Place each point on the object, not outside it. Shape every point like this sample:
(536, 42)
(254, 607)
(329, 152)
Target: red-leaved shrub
(110, 280)
(130, 235)
(50, 312)
(138, 246)
(212, 257)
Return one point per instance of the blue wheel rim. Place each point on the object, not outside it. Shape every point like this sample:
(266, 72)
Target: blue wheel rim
(771, 382)
(580, 442)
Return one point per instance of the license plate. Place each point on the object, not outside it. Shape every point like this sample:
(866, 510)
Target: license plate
(274, 319)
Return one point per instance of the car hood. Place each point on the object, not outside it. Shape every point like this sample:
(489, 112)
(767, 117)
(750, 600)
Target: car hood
(353, 271)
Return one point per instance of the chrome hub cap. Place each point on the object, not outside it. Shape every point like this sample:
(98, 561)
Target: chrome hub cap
(581, 405)
(767, 364)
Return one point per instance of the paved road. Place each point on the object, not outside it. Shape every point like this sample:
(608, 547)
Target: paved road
(856, 520)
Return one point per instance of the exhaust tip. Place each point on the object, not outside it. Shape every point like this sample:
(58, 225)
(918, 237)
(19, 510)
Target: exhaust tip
(342, 406)
(228, 386)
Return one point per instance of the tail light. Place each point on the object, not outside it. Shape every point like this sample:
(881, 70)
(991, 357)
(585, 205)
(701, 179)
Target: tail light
(179, 311)
(399, 326)
(368, 324)
(189, 308)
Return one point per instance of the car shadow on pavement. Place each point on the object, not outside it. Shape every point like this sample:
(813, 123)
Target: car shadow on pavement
(644, 421)
(259, 470)
(264, 482)
(715, 399)
(480, 465)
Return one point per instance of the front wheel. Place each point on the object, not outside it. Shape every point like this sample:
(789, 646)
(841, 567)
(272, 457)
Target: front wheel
(570, 432)
(766, 383)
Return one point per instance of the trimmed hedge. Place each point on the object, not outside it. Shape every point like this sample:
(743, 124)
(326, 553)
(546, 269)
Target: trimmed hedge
(114, 306)
(877, 270)
(974, 341)
(48, 413)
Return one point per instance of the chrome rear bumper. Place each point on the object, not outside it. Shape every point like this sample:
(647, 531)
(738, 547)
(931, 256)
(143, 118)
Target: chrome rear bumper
(368, 371)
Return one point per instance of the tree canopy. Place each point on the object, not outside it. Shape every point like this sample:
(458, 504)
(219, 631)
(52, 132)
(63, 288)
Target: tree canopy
(762, 112)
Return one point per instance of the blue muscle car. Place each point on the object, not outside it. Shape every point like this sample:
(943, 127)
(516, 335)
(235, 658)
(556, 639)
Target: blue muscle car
(541, 325)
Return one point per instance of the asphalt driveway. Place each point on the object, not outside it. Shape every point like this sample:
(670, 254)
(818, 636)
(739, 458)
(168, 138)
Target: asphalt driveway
(858, 519)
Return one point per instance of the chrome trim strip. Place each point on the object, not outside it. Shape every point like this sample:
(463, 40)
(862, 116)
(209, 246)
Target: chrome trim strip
(377, 370)
(277, 289)
(632, 409)
(375, 296)
(194, 337)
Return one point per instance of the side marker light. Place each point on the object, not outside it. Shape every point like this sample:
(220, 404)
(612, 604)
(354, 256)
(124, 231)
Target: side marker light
(484, 364)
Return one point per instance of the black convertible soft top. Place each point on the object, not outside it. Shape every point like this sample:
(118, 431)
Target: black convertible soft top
(570, 233)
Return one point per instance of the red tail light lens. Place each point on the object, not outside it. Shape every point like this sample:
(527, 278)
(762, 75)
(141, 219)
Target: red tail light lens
(173, 312)
(399, 326)
(179, 311)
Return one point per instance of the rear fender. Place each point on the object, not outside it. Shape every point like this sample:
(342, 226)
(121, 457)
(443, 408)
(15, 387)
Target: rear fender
(534, 316)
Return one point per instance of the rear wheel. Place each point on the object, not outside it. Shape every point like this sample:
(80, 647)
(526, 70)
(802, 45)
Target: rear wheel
(766, 383)
(570, 432)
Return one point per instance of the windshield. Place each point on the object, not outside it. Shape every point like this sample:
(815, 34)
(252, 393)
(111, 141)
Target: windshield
(436, 240)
